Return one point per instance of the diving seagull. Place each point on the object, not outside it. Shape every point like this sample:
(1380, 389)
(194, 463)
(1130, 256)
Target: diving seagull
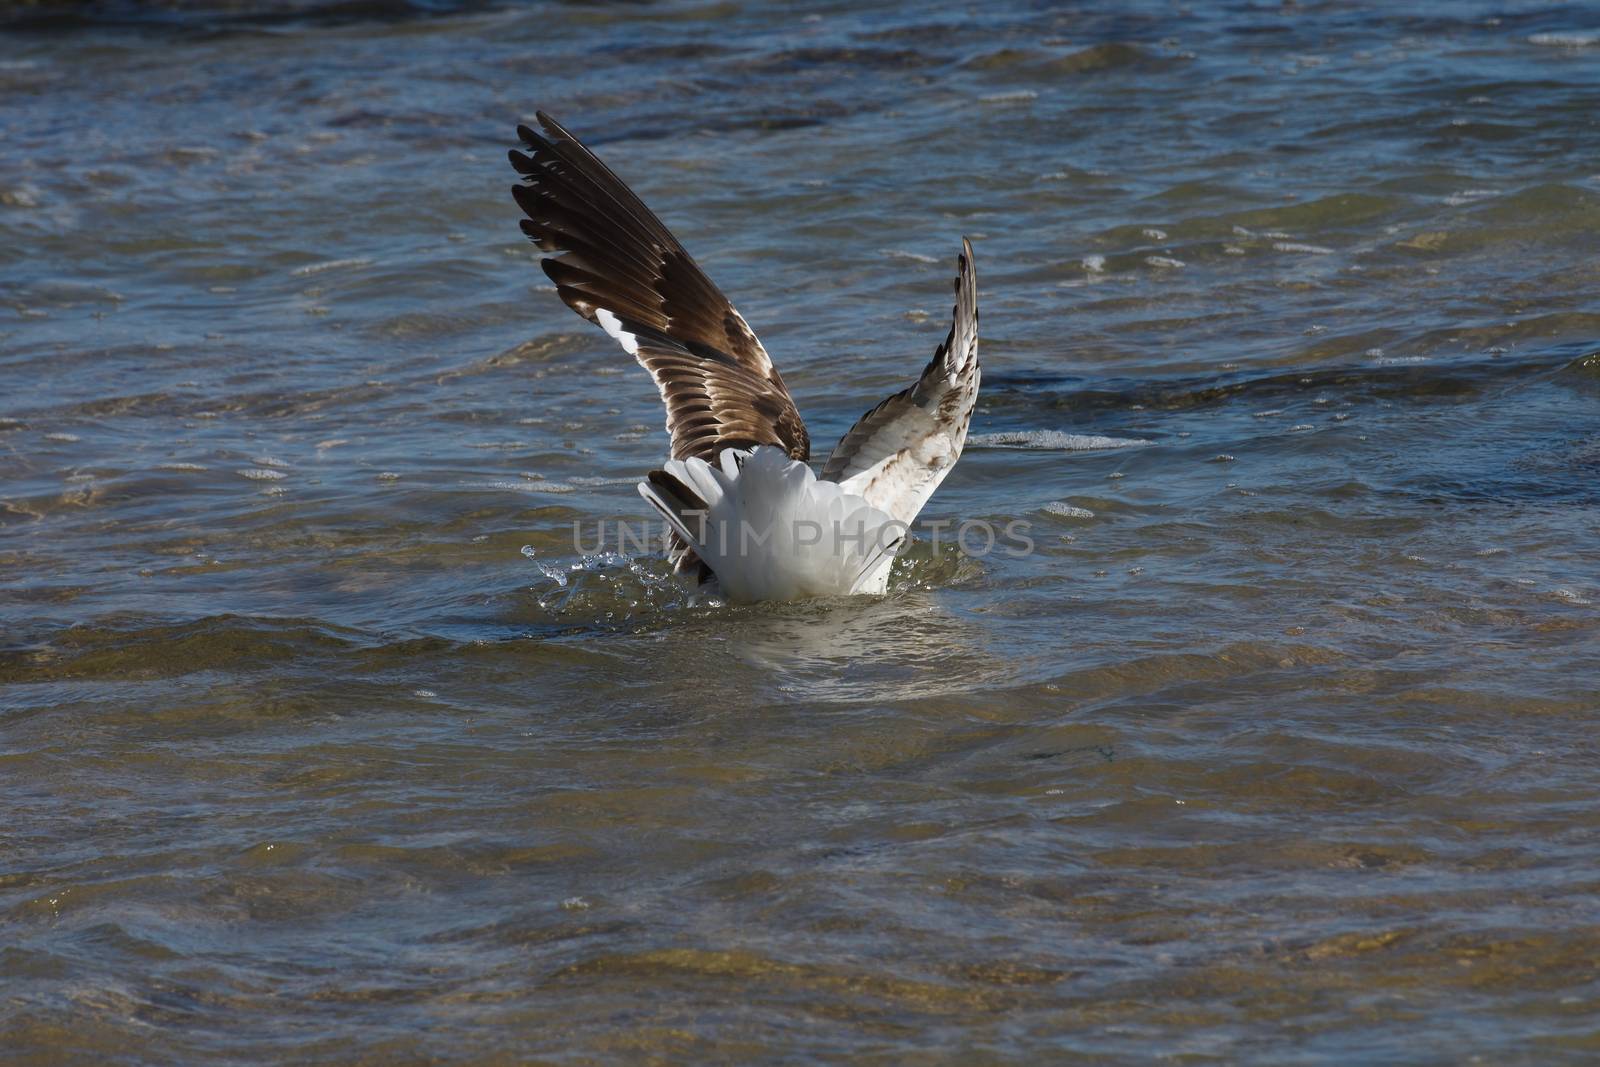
(745, 509)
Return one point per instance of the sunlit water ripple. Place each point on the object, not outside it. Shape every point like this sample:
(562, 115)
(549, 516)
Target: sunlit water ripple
(322, 742)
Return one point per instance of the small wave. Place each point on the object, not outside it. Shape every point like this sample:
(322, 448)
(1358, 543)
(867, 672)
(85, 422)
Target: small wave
(1053, 439)
(1066, 511)
(534, 482)
(608, 589)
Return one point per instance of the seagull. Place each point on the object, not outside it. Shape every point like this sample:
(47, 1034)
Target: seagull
(746, 512)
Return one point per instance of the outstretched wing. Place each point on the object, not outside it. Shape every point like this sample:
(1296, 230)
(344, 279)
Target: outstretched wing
(621, 269)
(897, 454)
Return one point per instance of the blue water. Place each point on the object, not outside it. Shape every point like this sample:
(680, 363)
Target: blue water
(322, 743)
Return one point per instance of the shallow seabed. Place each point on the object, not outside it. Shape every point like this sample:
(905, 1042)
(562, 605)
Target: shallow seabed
(1279, 748)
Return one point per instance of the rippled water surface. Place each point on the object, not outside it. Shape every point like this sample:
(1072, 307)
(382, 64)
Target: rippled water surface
(1281, 747)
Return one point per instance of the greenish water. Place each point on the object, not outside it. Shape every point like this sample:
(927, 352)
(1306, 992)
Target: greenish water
(1280, 748)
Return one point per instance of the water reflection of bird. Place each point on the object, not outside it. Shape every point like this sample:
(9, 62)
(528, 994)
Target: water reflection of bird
(905, 647)
(746, 510)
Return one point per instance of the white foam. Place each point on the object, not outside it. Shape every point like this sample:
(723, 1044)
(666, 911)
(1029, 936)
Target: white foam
(589, 479)
(1021, 96)
(332, 264)
(1052, 439)
(1565, 40)
(1468, 196)
(1165, 262)
(261, 474)
(523, 487)
(1296, 246)
(1067, 511)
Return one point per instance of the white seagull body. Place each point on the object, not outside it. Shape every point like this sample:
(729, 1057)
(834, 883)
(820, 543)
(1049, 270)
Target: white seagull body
(744, 505)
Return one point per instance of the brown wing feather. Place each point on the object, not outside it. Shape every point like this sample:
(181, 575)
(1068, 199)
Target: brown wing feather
(621, 269)
(898, 453)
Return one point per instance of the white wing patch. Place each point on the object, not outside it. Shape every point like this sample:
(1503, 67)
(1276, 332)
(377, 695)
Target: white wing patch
(613, 326)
